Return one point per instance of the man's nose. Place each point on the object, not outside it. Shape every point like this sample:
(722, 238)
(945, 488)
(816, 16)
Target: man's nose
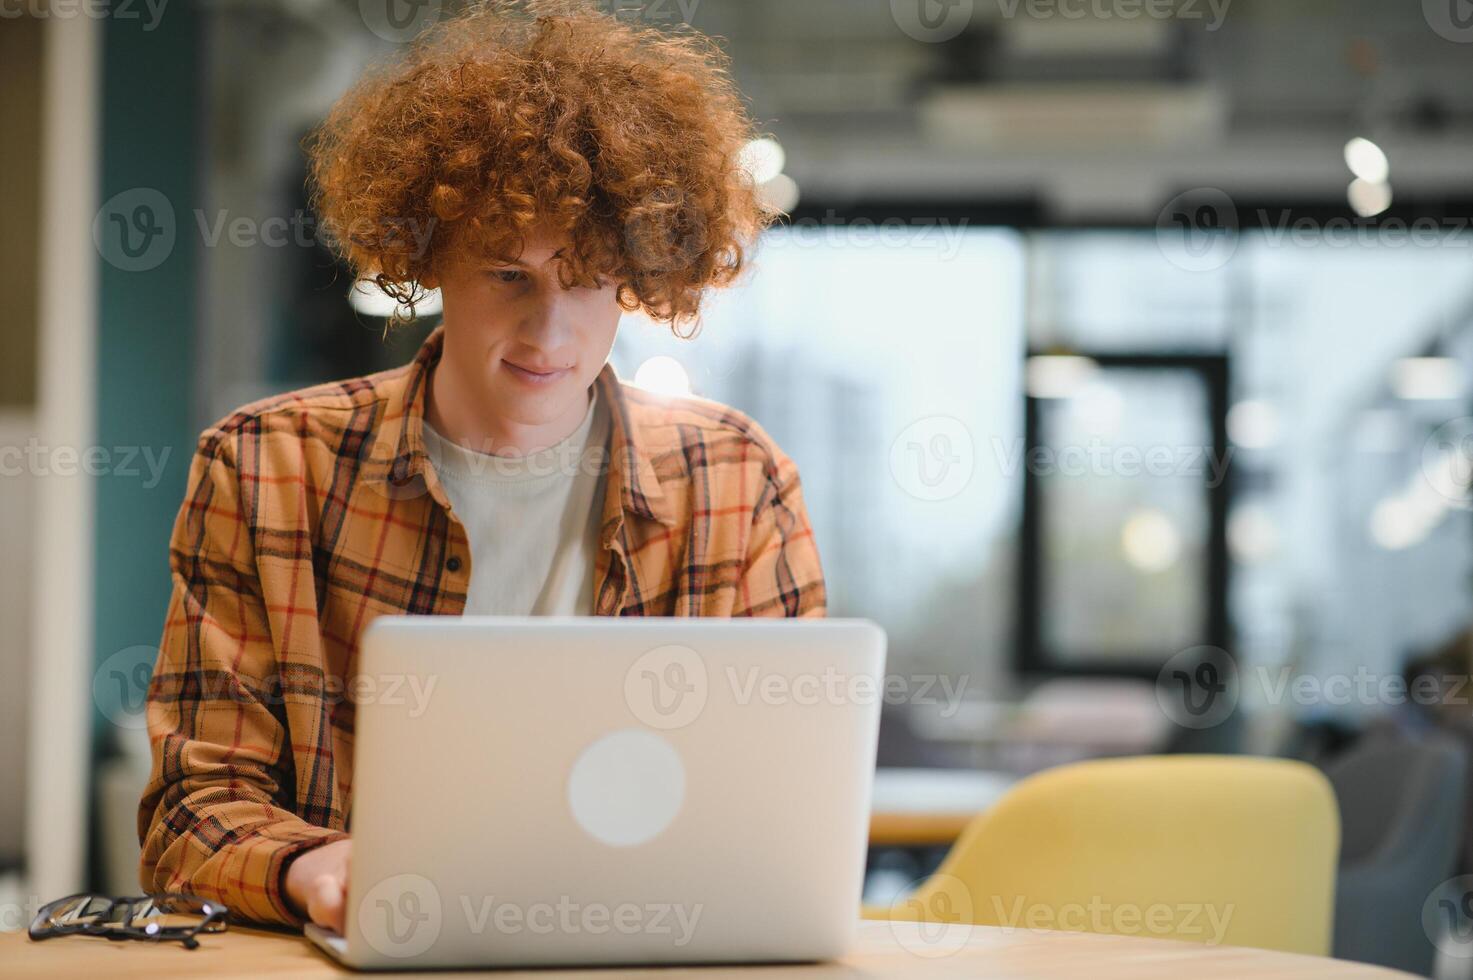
(552, 322)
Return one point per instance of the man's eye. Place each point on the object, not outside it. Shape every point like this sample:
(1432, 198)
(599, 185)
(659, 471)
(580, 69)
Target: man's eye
(508, 275)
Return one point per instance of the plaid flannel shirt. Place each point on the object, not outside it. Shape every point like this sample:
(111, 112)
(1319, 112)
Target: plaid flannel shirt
(310, 513)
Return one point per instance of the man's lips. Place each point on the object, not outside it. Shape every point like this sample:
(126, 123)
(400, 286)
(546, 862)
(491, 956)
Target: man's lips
(535, 376)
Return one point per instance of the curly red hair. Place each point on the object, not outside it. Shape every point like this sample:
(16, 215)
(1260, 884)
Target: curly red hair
(624, 139)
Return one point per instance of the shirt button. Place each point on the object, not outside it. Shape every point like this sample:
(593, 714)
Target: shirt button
(453, 563)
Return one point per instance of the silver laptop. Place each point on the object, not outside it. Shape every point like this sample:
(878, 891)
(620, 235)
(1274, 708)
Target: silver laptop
(572, 791)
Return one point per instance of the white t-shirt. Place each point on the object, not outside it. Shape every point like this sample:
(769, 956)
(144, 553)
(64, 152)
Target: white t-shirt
(532, 521)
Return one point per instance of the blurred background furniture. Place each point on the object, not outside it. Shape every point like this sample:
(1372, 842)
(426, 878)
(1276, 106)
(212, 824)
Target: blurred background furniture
(915, 817)
(1057, 720)
(1401, 817)
(916, 807)
(1240, 850)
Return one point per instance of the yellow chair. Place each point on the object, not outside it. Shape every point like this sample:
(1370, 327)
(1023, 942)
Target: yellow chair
(1226, 850)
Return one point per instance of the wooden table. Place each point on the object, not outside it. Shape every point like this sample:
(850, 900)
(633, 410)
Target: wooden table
(922, 807)
(883, 949)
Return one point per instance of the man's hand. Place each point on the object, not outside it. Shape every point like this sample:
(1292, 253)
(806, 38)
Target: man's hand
(317, 884)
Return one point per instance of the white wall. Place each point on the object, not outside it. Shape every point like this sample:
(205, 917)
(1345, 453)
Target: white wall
(17, 511)
(61, 565)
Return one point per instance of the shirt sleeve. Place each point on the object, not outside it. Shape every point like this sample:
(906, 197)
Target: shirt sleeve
(783, 575)
(216, 818)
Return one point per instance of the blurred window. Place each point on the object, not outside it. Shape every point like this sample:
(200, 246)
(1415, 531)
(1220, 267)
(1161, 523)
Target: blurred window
(886, 363)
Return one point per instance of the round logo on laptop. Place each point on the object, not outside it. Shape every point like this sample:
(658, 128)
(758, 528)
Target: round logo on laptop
(626, 787)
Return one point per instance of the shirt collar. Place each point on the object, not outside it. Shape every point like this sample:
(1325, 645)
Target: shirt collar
(399, 457)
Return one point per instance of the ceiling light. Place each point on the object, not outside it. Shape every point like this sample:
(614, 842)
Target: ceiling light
(1058, 375)
(779, 194)
(1150, 541)
(1426, 378)
(1253, 424)
(763, 159)
(1367, 160)
(1368, 198)
(663, 375)
(368, 300)
(1252, 534)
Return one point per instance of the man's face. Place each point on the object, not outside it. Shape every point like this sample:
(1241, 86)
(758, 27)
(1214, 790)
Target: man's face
(519, 345)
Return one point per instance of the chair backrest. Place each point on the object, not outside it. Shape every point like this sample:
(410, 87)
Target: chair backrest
(1218, 849)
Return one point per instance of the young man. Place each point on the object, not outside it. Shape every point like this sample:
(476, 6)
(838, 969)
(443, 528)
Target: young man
(546, 170)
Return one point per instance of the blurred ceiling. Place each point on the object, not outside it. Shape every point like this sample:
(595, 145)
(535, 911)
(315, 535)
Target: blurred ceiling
(1095, 109)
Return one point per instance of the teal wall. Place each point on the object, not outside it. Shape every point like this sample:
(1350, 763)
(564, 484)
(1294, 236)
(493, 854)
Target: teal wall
(148, 245)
